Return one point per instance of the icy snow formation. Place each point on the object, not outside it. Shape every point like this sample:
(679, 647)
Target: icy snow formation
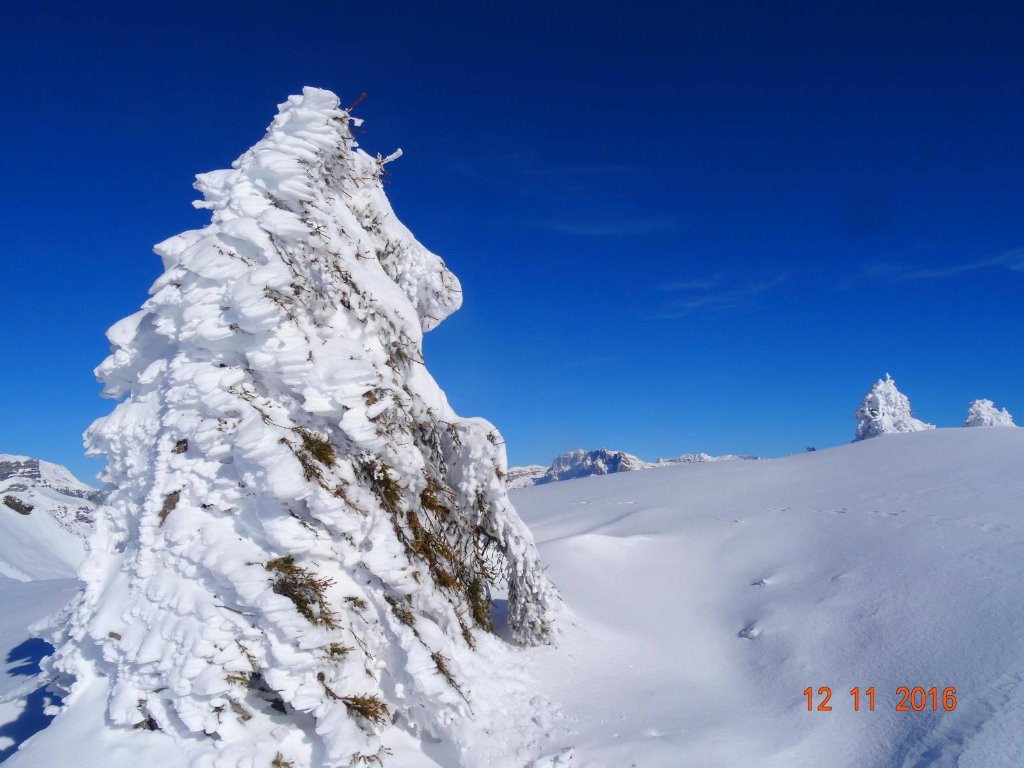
(299, 554)
(983, 413)
(885, 409)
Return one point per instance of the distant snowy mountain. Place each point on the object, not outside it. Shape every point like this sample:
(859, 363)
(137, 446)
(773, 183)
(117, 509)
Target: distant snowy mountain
(522, 477)
(30, 486)
(45, 515)
(983, 413)
(701, 458)
(886, 410)
(581, 463)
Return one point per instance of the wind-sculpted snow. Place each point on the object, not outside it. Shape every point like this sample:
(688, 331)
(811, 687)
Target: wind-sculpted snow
(886, 410)
(299, 554)
(983, 413)
(706, 597)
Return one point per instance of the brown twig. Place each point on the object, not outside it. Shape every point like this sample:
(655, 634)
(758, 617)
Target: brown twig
(356, 102)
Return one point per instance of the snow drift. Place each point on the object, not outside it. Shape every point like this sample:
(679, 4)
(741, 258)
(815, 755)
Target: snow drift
(706, 597)
(298, 560)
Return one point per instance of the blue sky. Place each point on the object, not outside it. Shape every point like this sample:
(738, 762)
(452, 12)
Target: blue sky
(705, 228)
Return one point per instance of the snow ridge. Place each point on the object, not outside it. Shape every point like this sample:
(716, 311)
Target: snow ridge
(300, 550)
(885, 410)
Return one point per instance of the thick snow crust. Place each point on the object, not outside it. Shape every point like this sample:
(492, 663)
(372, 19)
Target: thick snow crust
(705, 598)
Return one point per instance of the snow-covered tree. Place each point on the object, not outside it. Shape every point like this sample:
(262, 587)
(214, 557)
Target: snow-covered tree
(983, 413)
(885, 409)
(301, 547)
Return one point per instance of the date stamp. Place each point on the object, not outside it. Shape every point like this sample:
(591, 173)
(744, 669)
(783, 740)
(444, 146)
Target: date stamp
(907, 699)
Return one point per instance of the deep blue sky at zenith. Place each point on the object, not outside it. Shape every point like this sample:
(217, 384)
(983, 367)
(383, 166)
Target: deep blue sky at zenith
(700, 228)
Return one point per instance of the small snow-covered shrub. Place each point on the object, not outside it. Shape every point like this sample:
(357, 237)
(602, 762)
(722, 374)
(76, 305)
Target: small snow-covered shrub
(885, 410)
(983, 413)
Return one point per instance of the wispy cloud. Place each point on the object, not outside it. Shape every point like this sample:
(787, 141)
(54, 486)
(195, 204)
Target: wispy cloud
(715, 293)
(610, 227)
(1012, 260)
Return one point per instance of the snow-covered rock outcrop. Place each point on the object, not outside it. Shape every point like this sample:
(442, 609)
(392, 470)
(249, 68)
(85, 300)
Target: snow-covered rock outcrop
(46, 513)
(523, 477)
(580, 463)
(983, 413)
(299, 552)
(30, 486)
(885, 410)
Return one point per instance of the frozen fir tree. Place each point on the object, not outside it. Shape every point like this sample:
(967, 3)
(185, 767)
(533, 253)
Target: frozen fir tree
(983, 413)
(885, 409)
(301, 549)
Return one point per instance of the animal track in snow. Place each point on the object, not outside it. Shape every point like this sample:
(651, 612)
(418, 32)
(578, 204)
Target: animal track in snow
(750, 632)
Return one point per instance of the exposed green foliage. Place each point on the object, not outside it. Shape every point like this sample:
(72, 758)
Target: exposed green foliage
(374, 396)
(442, 667)
(238, 679)
(304, 589)
(384, 486)
(479, 603)
(337, 650)
(402, 611)
(318, 447)
(356, 602)
(430, 500)
(368, 707)
(280, 762)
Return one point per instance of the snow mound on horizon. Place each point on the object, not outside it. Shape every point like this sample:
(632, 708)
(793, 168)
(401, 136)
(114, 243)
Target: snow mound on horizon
(983, 413)
(886, 410)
